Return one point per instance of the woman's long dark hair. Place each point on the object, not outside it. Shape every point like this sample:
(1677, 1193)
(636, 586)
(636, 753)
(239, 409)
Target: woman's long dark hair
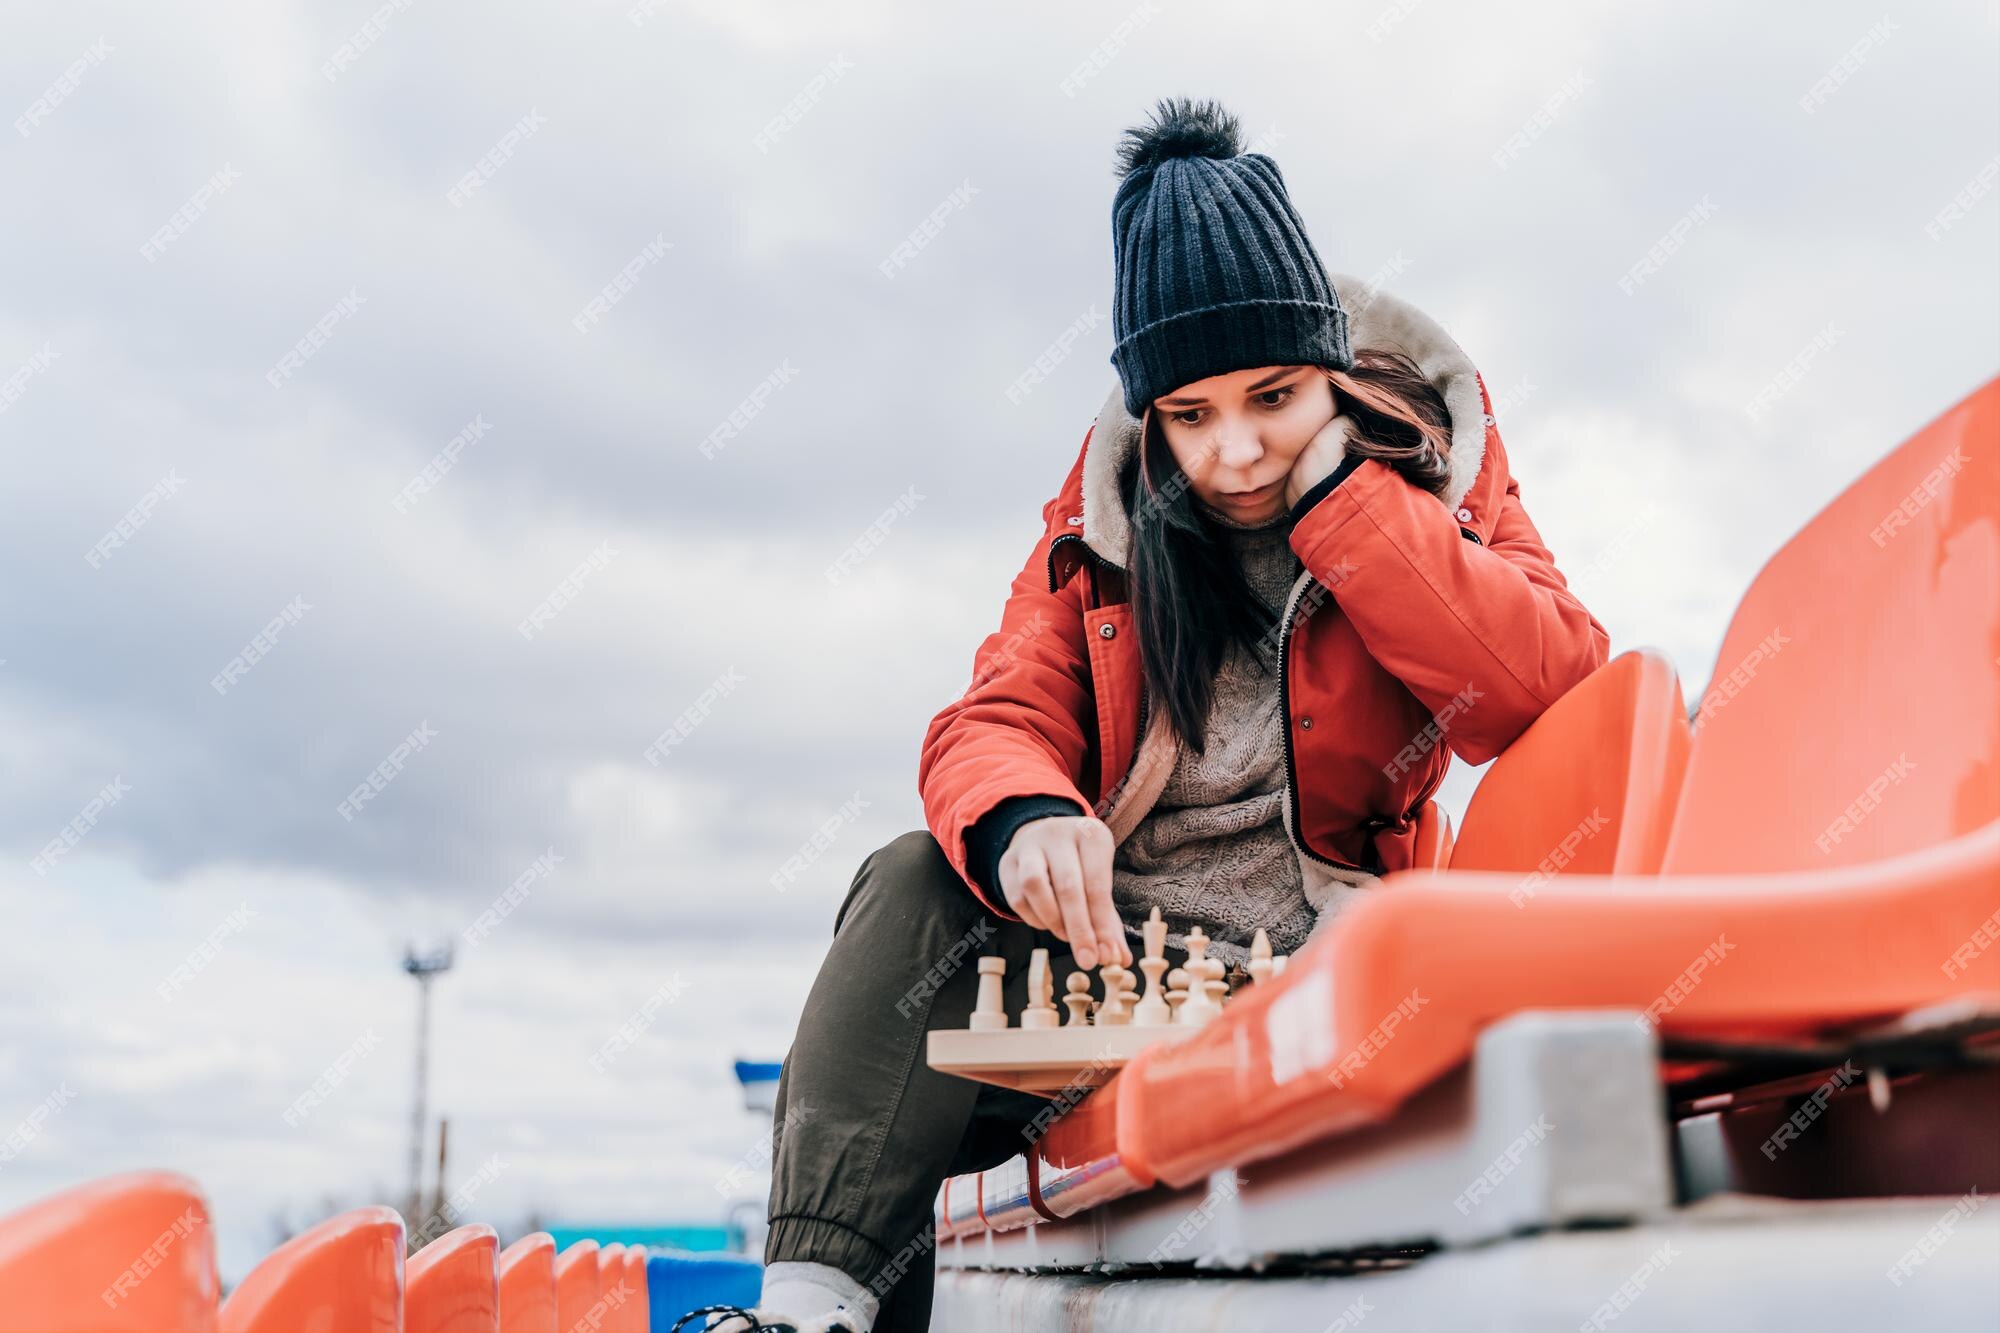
(1189, 597)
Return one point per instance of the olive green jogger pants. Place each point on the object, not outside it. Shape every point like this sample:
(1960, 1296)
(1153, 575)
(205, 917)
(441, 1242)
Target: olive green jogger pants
(864, 1130)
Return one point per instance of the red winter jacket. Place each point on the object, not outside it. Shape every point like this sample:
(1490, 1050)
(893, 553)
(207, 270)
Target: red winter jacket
(1420, 627)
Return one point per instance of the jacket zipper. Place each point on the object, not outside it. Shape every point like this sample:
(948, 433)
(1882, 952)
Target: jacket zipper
(1055, 545)
(1139, 738)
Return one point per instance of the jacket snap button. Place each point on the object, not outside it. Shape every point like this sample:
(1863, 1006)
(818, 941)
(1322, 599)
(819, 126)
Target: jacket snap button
(1107, 630)
(1076, 522)
(1305, 724)
(1464, 514)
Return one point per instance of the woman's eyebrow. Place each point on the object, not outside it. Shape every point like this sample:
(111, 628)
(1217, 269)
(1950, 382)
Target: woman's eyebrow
(1258, 387)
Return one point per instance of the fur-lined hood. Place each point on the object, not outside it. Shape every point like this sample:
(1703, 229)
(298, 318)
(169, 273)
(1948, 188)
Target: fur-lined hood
(1377, 321)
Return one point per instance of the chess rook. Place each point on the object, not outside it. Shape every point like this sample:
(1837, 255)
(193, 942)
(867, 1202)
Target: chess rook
(991, 1010)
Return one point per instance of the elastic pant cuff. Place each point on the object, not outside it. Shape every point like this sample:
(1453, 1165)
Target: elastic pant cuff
(799, 1238)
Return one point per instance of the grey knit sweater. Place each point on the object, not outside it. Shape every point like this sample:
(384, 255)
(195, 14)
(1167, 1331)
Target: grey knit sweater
(1212, 850)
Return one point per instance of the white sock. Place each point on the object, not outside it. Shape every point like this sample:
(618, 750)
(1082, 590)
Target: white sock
(801, 1292)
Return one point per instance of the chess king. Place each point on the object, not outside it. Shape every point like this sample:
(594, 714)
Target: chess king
(1287, 578)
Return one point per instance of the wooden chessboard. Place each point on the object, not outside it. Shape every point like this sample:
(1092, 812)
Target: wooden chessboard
(1040, 1054)
(1045, 1061)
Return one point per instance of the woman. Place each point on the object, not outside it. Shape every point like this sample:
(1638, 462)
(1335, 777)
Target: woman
(1287, 576)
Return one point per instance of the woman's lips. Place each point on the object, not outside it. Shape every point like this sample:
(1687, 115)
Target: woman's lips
(1245, 497)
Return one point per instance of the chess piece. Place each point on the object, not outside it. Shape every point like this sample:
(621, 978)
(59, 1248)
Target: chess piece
(991, 1011)
(1128, 991)
(1278, 964)
(1077, 999)
(1218, 989)
(1200, 1007)
(1041, 1010)
(1152, 1011)
(1116, 1010)
(1215, 975)
(1177, 992)
(1260, 958)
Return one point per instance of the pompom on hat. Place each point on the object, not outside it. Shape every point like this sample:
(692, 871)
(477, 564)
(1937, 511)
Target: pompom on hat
(1212, 269)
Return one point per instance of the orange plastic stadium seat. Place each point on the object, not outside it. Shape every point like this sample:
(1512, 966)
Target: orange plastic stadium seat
(528, 1285)
(639, 1317)
(1853, 714)
(1590, 786)
(577, 1286)
(1434, 838)
(346, 1273)
(452, 1285)
(132, 1252)
(614, 1295)
(1834, 859)
(1086, 1156)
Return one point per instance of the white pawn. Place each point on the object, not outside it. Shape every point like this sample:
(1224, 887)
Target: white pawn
(1077, 999)
(1041, 1010)
(1116, 1011)
(1260, 958)
(991, 1011)
(1218, 988)
(1278, 964)
(1215, 980)
(1153, 1011)
(1177, 992)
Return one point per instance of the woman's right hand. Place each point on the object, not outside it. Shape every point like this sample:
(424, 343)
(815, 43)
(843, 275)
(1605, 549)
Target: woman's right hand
(1056, 876)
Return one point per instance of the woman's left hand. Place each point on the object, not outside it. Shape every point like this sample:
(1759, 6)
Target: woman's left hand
(1322, 454)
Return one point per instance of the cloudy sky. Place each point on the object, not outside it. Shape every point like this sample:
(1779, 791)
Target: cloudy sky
(511, 381)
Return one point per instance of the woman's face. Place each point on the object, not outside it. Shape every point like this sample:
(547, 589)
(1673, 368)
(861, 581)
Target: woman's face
(1236, 436)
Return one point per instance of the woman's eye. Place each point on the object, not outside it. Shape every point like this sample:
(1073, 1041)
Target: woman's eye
(1194, 416)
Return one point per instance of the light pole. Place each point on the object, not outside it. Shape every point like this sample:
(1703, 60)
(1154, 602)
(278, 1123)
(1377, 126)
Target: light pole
(423, 967)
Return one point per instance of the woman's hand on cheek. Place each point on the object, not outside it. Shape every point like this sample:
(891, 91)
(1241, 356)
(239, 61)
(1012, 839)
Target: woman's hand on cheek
(1322, 454)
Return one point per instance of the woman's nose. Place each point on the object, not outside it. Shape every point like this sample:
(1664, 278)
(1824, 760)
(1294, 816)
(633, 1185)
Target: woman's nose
(1238, 451)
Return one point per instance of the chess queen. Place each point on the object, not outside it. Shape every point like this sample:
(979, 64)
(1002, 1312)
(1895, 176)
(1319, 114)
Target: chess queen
(1287, 579)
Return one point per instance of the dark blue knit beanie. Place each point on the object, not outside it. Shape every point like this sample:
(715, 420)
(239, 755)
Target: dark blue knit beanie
(1212, 269)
